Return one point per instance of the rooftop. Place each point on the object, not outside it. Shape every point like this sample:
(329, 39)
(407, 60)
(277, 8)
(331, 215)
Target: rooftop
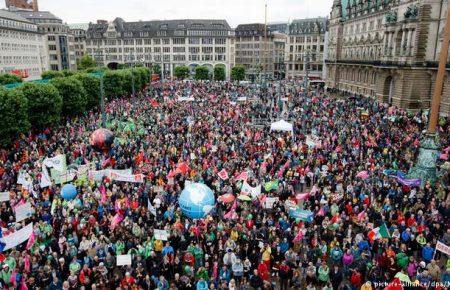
(5, 14)
(37, 15)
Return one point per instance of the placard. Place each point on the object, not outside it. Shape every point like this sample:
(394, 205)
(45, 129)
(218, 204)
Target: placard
(269, 202)
(443, 248)
(18, 237)
(23, 211)
(4, 196)
(123, 260)
(161, 235)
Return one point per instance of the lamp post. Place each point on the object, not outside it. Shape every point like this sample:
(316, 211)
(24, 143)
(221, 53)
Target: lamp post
(425, 168)
(99, 55)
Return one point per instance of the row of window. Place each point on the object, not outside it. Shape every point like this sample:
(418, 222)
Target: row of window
(192, 50)
(253, 45)
(300, 48)
(5, 33)
(16, 60)
(17, 25)
(157, 41)
(166, 58)
(300, 67)
(302, 39)
(10, 47)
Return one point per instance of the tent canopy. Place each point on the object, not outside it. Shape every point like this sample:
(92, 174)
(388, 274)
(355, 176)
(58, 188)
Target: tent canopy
(282, 126)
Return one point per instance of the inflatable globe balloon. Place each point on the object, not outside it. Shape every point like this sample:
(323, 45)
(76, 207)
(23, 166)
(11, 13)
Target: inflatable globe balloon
(196, 200)
(68, 192)
(101, 139)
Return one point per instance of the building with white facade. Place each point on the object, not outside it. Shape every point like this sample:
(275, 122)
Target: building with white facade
(167, 43)
(79, 34)
(23, 49)
(61, 50)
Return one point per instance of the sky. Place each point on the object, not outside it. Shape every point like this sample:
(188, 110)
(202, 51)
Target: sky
(234, 11)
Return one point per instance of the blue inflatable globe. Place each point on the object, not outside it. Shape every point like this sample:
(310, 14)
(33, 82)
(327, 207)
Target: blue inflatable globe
(196, 200)
(68, 192)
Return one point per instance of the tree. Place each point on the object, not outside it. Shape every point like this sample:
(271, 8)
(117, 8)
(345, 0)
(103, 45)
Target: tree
(156, 69)
(144, 73)
(9, 79)
(51, 74)
(112, 82)
(68, 73)
(201, 73)
(86, 62)
(137, 80)
(14, 120)
(219, 72)
(73, 95)
(91, 85)
(182, 72)
(238, 73)
(44, 104)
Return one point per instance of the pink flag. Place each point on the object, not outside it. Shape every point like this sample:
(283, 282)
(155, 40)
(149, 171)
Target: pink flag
(103, 193)
(243, 176)
(116, 220)
(363, 174)
(443, 156)
(232, 213)
(321, 212)
(302, 196)
(298, 238)
(446, 150)
(31, 240)
(361, 216)
(223, 174)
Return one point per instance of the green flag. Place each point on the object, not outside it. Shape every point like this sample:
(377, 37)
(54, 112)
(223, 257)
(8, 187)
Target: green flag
(268, 186)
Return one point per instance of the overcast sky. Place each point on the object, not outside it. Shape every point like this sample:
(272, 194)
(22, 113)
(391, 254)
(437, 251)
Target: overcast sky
(234, 11)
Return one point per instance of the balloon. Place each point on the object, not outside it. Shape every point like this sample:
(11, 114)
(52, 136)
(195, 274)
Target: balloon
(196, 200)
(68, 192)
(101, 139)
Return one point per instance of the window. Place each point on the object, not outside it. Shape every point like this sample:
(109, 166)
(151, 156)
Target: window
(219, 50)
(166, 49)
(178, 41)
(207, 49)
(52, 47)
(221, 40)
(54, 67)
(179, 49)
(207, 41)
(166, 41)
(156, 41)
(194, 40)
(194, 50)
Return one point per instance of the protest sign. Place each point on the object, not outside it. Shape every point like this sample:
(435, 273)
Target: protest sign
(18, 237)
(4, 196)
(123, 260)
(162, 235)
(23, 211)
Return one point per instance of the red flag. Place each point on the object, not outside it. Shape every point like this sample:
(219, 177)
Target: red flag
(223, 174)
(182, 168)
(396, 284)
(154, 103)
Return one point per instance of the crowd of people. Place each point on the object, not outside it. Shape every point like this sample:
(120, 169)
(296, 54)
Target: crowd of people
(242, 244)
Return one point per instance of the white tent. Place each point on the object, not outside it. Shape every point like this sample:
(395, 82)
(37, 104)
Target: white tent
(282, 126)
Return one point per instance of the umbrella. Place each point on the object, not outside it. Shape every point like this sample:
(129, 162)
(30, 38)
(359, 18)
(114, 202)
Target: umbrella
(227, 198)
(244, 198)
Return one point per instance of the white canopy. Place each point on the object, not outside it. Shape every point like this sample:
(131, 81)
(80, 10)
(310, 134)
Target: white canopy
(282, 126)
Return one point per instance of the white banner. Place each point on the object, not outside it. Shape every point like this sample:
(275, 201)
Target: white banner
(269, 202)
(135, 178)
(254, 192)
(123, 260)
(242, 99)
(161, 235)
(313, 141)
(4, 196)
(97, 175)
(58, 162)
(443, 248)
(23, 211)
(17, 238)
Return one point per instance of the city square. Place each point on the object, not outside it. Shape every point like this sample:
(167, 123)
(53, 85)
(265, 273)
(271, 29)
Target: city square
(228, 151)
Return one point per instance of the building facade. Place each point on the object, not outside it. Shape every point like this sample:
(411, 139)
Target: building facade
(279, 49)
(23, 49)
(167, 43)
(388, 50)
(61, 50)
(255, 50)
(305, 48)
(79, 39)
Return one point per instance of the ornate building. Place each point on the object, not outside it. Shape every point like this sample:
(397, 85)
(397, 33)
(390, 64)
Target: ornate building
(387, 49)
(167, 43)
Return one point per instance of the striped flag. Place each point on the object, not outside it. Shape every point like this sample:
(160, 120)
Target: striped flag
(380, 232)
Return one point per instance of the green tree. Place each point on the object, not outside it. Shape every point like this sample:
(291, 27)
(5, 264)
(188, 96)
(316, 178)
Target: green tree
(68, 73)
(73, 95)
(91, 85)
(144, 73)
(156, 69)
(127, 81)
(113, 84)
(51, 74)
(137, 78)
(182, 72)
(86, 62)
(219, 72)
(201, 73)
(238, 73)
(14, 120)
(9, 79)
(44, 104)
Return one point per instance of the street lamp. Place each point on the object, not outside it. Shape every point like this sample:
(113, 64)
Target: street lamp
(99, 55)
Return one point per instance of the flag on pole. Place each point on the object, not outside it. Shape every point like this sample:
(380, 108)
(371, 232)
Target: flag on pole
(243, 176)
(380, 232)
(268, 186)
(223, 174)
